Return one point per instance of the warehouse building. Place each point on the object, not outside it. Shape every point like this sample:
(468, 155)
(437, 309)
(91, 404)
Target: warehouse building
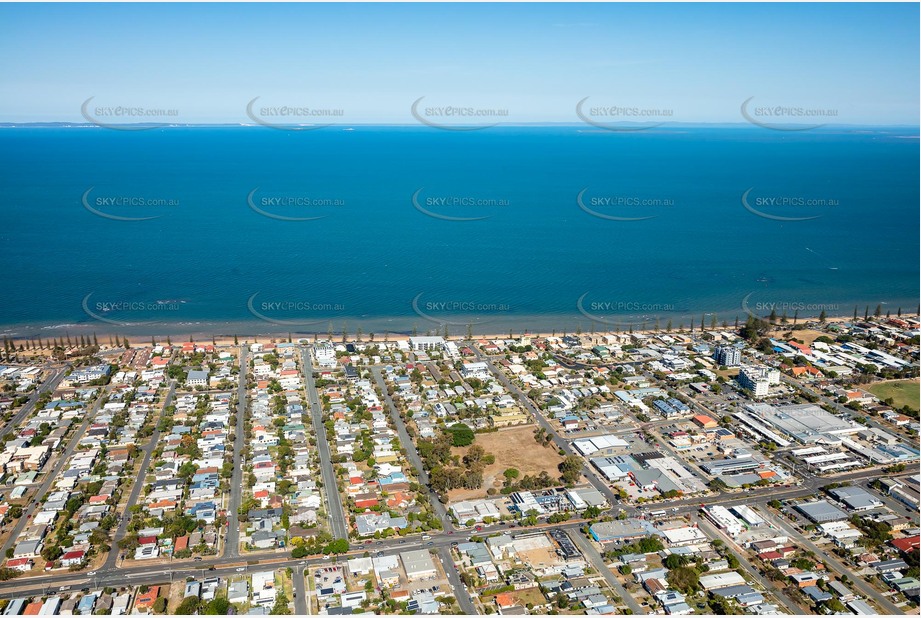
(418, 564)
(724, 520)
(626, 529)
(855, 498)
(821, 511)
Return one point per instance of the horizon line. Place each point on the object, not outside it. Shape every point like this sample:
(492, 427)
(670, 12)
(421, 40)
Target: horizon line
(536, 123)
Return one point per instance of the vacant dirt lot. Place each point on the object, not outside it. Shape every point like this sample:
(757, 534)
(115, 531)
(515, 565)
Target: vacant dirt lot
(806, 336)
(514, 447)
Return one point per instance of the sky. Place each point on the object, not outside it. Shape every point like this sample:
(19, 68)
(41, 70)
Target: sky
(370, 62)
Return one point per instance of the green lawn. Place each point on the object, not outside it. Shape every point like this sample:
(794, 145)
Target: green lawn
(902, 392)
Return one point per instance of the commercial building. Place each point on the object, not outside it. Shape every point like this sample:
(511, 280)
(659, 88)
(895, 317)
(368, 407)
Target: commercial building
(805, 423)
(724, 520)
(856, 498)
(418, 564)
(605, 443)
(730, 466)
(821, 511)
(705, 422)
(626, 529)
(685, 535)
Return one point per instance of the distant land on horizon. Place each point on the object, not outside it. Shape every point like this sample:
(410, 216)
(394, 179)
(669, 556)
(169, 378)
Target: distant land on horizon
(675, 125)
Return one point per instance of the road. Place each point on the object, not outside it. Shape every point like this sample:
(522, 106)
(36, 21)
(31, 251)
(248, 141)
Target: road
(232, 539)
(460, 590)
(300, 591)
(587, 472)
(148, 450)
(147, 574)
(154, 572)
(47, 386)
(411, 453)
(337, 522)
(730, 544)
(834, 563)
(52, 475)
(589, 551)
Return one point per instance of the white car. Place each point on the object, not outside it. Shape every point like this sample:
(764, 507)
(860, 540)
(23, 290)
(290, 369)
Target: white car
(240, 569)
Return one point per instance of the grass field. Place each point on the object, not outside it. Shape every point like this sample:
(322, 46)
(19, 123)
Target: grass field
(903, 392)
(514, 448)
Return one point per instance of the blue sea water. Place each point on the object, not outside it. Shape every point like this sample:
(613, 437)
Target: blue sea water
(217, 256)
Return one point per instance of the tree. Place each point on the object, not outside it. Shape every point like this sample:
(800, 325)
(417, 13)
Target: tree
(7, 573)
(299, 552)
(684, 579)
(724, 606)
(461, 435)
(474, 455)
(217, 607)
(159, 605)
(511, 473)
(281, 605)
(673, 561)
(571, 469)
(834, 605)
(187, 470)
(339, 546)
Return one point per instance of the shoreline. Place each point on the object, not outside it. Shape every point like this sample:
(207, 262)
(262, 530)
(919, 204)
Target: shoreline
(103, 337)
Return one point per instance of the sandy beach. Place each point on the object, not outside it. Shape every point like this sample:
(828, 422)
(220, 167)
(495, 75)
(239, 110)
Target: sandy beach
(105, 337)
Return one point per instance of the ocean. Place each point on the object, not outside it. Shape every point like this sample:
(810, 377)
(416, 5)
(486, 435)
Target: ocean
(247, 230)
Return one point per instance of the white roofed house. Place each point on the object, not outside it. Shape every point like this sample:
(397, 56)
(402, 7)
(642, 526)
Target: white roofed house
(197, 378)
(479, 370)
(263, 588)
